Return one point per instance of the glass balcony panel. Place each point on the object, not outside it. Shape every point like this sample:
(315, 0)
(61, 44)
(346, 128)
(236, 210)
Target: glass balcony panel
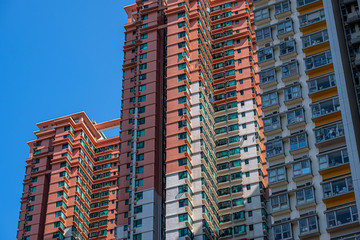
(269, 99)
(301, 3)
(328, 133)
(287, 47)
(322, 83)
(338, 187)
(318, 60)
(326, 107)
(272, 123)
(312, 18)
(289, 70)
(294, 117)
(315, 39)
(301, 168)
(274, 148)
(267, 76)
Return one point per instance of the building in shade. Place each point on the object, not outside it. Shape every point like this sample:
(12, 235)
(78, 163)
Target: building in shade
(309, 83)
(71, 181)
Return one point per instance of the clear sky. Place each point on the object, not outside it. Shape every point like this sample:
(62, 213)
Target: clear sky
(57, 57)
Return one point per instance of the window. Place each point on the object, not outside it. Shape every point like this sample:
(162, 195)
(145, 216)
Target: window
(308, 225)
(280, 203)
(144, 17)
(315, 39)
(292, 92)
(290, 69)
(301, 168)
(284, 27)
(272, 123)
(181, 24)
(32, 189)
(282, 231)
(287, 47)
(138, 209)
(297, 142)
(305, 196)
(265, 54)
(143, 46)
(312, 18)
(139, 183)
(143, 56)
(342, 216)
(263, 34)
(322, 83)
(144, 36)
(137, 236)
(261, 14)
(137, 223)
(269, 99)
(143, 66)
(295, 116)
(185, 231)
(181, 34)
(38, 143)
(333, 159)
(325, 107)
(329, 132)
(181, 66)
(277, 175)
(141, 99)
(274, 148)
(267, 76)
(318, 60)
(301, 3)
(338, 187)
(139, 170)
(282, 7)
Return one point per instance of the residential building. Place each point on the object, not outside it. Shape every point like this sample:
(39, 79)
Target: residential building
(309, 126)
(199, 119)
(71, 181)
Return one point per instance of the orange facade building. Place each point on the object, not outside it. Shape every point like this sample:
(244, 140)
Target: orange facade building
(71, 181)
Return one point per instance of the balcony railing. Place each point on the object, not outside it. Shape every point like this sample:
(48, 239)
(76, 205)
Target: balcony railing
(329, 132)
(322, 83)
(315, 39)
(342, 217)
(338, 187)
(324, 108)
(333, 159)
(318, 61)
(272, 123)
(274, 148)
(312, 18)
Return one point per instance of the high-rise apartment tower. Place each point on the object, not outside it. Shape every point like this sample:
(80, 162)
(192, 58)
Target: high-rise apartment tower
(310, 120)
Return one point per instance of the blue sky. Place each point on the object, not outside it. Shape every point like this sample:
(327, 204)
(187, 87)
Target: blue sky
(56, 58)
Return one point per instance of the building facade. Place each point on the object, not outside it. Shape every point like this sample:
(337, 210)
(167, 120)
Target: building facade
(191, 116)
(310, 119)
(71, 181)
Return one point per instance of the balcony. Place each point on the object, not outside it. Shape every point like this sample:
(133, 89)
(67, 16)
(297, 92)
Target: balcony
(264, 36)
(266, 56)
(270, 101)
(310, 19)
(285, 29)
(262, 16)
(301, 170)
(331, 134)
(319, 61)
(305, 198)
(267, 78)
(277, 177)
(342, 218)
(295, 119)
(315, 42)
(309, 227)
(282, 10)
(287, 50)
(353, 17)
(274, 150)
(292, 95)
(258, 3)
(280, 205)
(289, 71)
(298, 144)
(321, 84)
(338, 188)
(333, 159)
(325, 108)
(272, 125)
